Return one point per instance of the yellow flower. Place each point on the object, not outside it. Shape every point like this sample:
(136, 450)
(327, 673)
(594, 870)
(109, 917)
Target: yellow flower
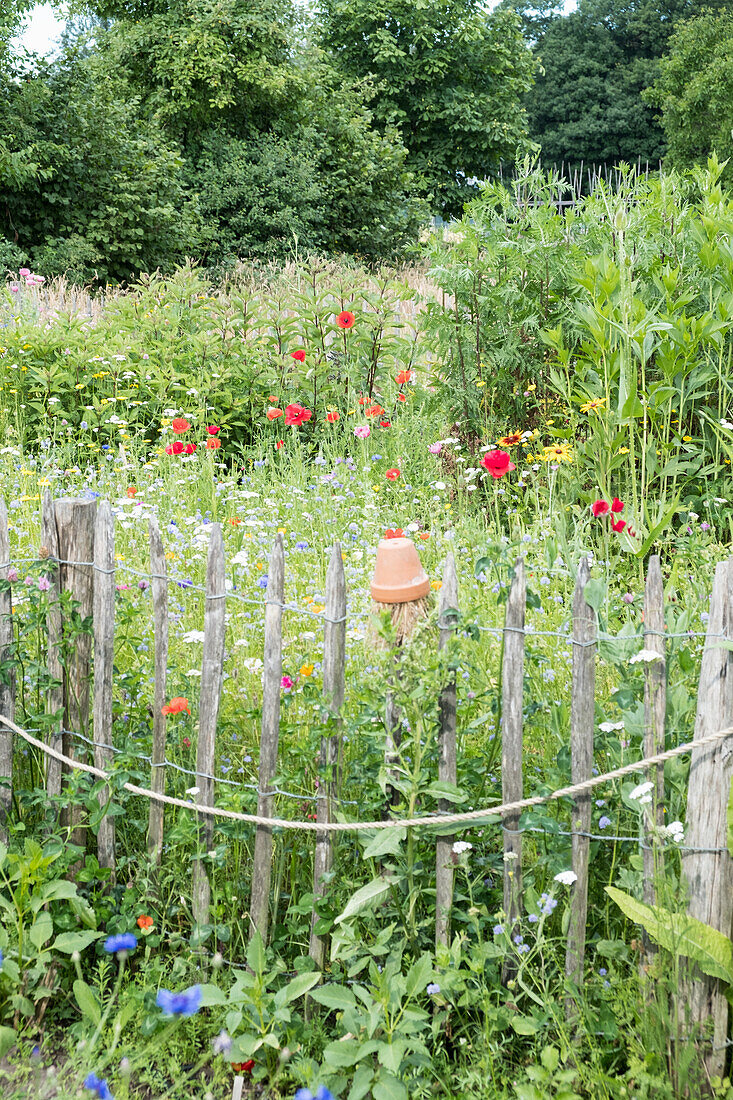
(593, 406)
(281, 530)
(306, 670)
(436, 585)
(44, 481)
(558, 452)
(623, 450)
(119, 557)
(480, 382)
(687, 439)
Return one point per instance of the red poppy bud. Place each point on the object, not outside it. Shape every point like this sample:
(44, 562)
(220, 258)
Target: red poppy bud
(169, 450)
(280, 443)
(600, 508)
(617, 505)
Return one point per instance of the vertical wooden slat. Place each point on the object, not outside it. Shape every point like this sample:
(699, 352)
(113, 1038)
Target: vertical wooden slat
(212, 674)
(159, 589)
(7, 688)
(655, 706)
(582, 712)
(75, 527)
(269, 737)
(104, 630)
(49, 549)
(709, 873)
(512, 707)
(447, 756)
(334, 686)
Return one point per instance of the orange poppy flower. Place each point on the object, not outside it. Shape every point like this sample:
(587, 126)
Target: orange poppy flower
(177, 705)
(180, 424)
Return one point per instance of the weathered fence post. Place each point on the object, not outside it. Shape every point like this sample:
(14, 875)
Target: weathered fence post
(334, 686)
(655, 706)
(159, 590)
(709, 871)
(270, 733)
(212, 673)
(7, 686)
(104, 632)
(512, 707)
(582, 718)
(75, 527)
(447, 757)
(49, 549)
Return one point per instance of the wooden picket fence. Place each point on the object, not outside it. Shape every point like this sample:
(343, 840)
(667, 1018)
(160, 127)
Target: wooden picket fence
(77, 543)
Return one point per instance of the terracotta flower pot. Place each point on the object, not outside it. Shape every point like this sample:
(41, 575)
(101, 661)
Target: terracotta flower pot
(398, 573)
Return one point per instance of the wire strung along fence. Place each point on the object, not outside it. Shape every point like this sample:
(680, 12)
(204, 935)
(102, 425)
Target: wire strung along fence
(77, 549)
(570, 183)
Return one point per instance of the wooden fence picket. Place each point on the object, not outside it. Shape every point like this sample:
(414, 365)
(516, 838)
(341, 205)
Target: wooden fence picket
(49, 550)
(75, 526)
(104, 631)
(655, 706)
(447, 754)
(708, 871)
(512, 707)
(334, 688)
(159, 591)
(212, 673)
(7, 692)
(269, 738)
(582, 719)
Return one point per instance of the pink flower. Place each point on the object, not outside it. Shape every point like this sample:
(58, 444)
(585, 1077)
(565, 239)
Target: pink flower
(12, 575)
(435, 448)
(287, 683)
(362, 431)
(24, 271)
(14, 288)
(43, 583)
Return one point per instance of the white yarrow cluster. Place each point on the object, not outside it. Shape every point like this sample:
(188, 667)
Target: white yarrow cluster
(643, 793)
(461, 846)
(646, 655)
(675, 831)
(566, 878)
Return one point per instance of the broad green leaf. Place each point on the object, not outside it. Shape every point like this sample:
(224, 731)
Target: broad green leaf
(301, 985)
(419, 975)
(550, 1058)
(58, 890)
(362, 1083)
(386, 842)
(334, 996)
(7, 1038)
(389, 1088)
(68, 942)
(525, 1025)
(256, 954)
(447, 791)
(366, 897)
(594, 593)
(212, 995)
(681, 935)
(342, 1054)
(87, 1001)
(41, 930)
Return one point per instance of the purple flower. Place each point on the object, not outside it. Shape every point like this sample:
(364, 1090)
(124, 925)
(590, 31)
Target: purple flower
(12, 575)
(43, 583)
(143, 585)
(432, 989)
(604, 822)
(127, 941)
(99, 1087)
(498, 930)
(603, 971)
(321, 1093)
(186, 1003)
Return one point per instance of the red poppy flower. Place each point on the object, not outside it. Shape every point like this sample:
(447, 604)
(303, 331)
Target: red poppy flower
(177, 705)
(424, 535)
(280, 443)
(600, 508)
(363, 400)
(272, 414)
(169, 449)
(144, 922)
(272, 397)
(617, 505)
(213, 429)
(402, 397)
(618, 525)
(346, 319)
(385, 423)
(299, 355)
(212, 443)
(180, 424)
(190, 448)
(394, 533)
(296, 414)
(177, 447)
(497, 463)
(392, 474)
(244, 1067)
(403, 377)
(131, 490)
(373, 410)
(332, 417)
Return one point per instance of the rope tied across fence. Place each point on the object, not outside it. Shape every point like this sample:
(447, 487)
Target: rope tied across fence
(462, 820)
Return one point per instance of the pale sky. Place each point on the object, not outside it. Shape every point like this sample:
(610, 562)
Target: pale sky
(41, 31)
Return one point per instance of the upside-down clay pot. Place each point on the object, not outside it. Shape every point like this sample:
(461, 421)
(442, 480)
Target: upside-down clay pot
(398, 573)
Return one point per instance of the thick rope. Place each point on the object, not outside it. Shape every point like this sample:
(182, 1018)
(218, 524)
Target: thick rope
(440, 820)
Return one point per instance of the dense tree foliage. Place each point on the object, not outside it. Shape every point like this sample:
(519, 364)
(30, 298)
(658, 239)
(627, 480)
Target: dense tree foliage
(695, 91)
(447, 74)
(587, 104)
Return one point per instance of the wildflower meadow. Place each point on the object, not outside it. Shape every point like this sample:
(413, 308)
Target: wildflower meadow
(550, 387)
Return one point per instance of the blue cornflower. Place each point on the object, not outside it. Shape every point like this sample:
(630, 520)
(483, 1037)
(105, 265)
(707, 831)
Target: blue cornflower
(432, 989)
(523, 948)
(321, 1093)
(125, 942)
(603, 971)
(180, 1004)
(301, 545)
(99, 1087)
(376, 458)
(262, 582)
(498, 930)
(604, 822)
(546, 904)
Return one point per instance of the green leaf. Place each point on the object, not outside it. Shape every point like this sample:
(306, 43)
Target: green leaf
(389, 1088)
(334, 996)
(419, 975)
(301, 985)
(525, 1025)
(68, 942)
(256, 954)
(41, 930)
(550, 1058)
(447, 791)
(342, 1054)
(386, 842)
(594, 593)
(7, 1039)
(366, 897)
(87, 1001)
(681, 934)
(212, 995)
